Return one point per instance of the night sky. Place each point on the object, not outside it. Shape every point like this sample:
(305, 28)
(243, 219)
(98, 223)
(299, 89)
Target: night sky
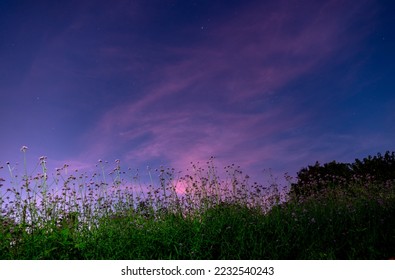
(261, 84)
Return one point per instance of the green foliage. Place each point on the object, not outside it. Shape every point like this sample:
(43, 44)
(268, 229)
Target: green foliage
(341, 216)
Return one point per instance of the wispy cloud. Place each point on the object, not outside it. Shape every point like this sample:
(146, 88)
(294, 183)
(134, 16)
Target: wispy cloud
(230, 90)
(214, 98)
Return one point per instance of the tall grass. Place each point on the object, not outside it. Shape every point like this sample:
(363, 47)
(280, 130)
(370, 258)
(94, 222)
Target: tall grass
(195, 216)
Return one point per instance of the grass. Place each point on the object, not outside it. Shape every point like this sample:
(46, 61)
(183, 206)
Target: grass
(197, 216)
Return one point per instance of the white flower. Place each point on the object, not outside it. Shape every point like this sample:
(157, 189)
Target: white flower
(23, 149)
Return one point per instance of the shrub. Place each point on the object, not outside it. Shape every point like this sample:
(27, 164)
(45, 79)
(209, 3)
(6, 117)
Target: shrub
(317, 178)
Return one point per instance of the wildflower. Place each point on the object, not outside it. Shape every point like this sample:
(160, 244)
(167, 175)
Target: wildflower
(23, 149)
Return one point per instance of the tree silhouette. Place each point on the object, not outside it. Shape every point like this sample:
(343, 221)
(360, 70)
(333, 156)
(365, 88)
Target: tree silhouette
(315, 178)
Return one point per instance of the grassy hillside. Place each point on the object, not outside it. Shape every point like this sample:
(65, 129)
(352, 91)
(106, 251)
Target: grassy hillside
(209, 219)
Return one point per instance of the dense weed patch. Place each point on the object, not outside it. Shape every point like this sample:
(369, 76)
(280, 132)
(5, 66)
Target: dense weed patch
(195, 216)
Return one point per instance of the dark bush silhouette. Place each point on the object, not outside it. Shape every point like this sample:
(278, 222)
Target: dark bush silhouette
(316, 178)
(382, 168)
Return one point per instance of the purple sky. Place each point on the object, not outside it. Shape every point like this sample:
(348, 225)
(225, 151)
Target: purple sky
(262, 84)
